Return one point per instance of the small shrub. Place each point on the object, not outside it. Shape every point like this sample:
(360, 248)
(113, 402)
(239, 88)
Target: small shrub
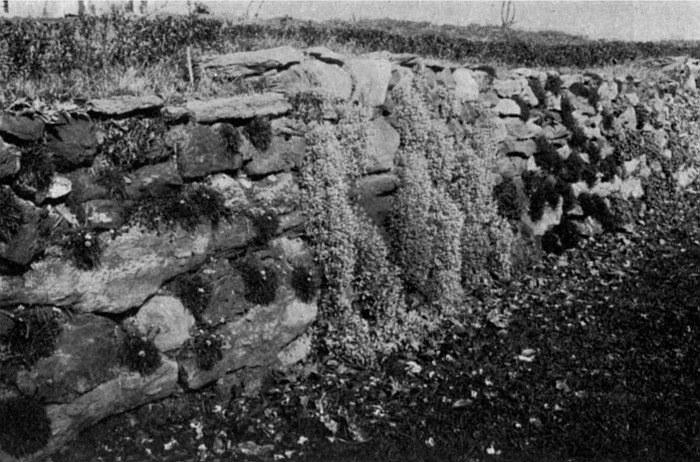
(553, 84)
(207, 347)
(537, 90)
(307, 106)
(594, 153)
(578, 138)
(266, 225)
(11, 216)
(506, 196)
(194, 291)
(232, 138)
(33, 335)
(567, 193)
(25, 427)
(574, 168)
(112, 179)
(83, 248)
(139, 353)
(541, 191)
(546, 156)
(567, 114)
(304, 284)
(524, 107)
(596, 207)
(579, 89)
(261, 283)
(187, 208)
(259, 132)
(36, 167)
(593, 97)
(561, 237)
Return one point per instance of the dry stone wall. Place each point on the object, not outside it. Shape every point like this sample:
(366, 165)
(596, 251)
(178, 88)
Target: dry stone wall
(559, 138)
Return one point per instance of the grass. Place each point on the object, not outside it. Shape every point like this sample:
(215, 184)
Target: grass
(261, 282)
(139, 353)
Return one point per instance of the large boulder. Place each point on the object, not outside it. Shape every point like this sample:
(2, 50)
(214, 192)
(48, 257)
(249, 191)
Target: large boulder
(86, 355)
(238, 107)
(201, 151)
(73, 141)
(124, 106)
(167, 317)
(21, 128)
(249, 63)
(371, 77)
(133, 267)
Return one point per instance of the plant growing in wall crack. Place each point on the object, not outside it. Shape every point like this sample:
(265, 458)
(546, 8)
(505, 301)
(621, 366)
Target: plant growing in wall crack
(194, 291)
(138, 352)
(259, 132)
(25, 427)
(261, 282)
(11, 216)
(206, 346)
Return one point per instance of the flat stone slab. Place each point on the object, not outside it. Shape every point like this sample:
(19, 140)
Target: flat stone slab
(247, 63)
(238, 107)
(120, 106)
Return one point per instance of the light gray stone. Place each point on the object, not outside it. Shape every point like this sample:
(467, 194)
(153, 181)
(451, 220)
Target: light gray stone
(466, 86)
(383, 144)
(282, 155)
(122, 106)
(371, 77)
(21, 127)
(507, 107)
(249, 63)
(328, 78)
(9, 159)
(238, 107)
(168, 317)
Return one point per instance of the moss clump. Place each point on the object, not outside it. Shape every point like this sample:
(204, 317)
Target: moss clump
(83, 248)
(553, 84)
(139, 353)
(194, 291)
(25, 427)
(304, 284)
(36, 167)
(608, 122)
(206, 346)
(266, 225)
(547, 157)
(187, 208)
(112, 179)
(506, 196)
(524, 107)
(11, 216)
(259, 132)
(33, 335)
(541, 190)
(232, 138)
(307, 106)
(261, 282)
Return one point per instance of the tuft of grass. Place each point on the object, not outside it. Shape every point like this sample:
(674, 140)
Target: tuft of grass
(139, 353)
(232, 139)
(83, 248)
(304, 284)
(261, 283)
(36, 167)
(194, 291)
(561, 237)
(112, 179)
(553, 84)
(608, 120)
(134, 142)
(506, 196)
(259, 132)
(25, 427)
(11, 216)
(307, 106)
(579, 89)
(206, 346)
(186, 207)
(578, 138)
(266, 225)
(33, 335)
(643, 115)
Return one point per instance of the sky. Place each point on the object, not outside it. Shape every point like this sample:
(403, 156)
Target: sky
(612, 19)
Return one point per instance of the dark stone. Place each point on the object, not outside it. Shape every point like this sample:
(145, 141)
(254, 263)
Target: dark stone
(21, 128)
(154, 180)
(201, 151)
(73, 142)
(28, 242)
(85, 186)
(9, 160)
(284, 154)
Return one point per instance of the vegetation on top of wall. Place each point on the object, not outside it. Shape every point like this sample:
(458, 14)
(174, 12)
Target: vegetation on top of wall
(25, 427)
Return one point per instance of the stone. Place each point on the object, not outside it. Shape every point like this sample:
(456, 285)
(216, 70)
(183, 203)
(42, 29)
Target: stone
(124, 106)
(588, 227)
(279, 193)
(127, 391)
(686, 176)
(232, 235)
(84, 186)
(289, 81)
(295, 352)
(328, 78)
(383, 144)
(523, 148)
(87, 354)
(59, 187)
(255, 338)
(231, 189)
(325, 55)
(250, 63)
(445, 79)
(373, 195)
(173, 114)
(10, 158)
(518, 86)
(371, 77)
(104, 213)
(284, 154)
(29, 241)
(628, 118)
(133, 266)
(631, 98)
(155, 180)
(555, 132)
(238, 107)
(73, 141)
(507, 108)
(20, 128)
(201, 151)
(608, 90)
(168, 317)
(510, 167)
(466, 86)
(519, 130)
(550, 218)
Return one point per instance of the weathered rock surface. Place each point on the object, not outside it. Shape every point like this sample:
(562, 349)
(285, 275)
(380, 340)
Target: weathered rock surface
(168, 317)
(283, 154)
(87, 354)
(279, 193)
(73, 141)
(383, 143)
(238, 107)
(201, 151)
(328, 78)
(103, 213)
(133, 267)
(371, 77)
(27, 242)
(466, 86)
(155, 180)
(123, 106)
(9, 159)
(507, 107)
(249, 63)
(21, 127)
